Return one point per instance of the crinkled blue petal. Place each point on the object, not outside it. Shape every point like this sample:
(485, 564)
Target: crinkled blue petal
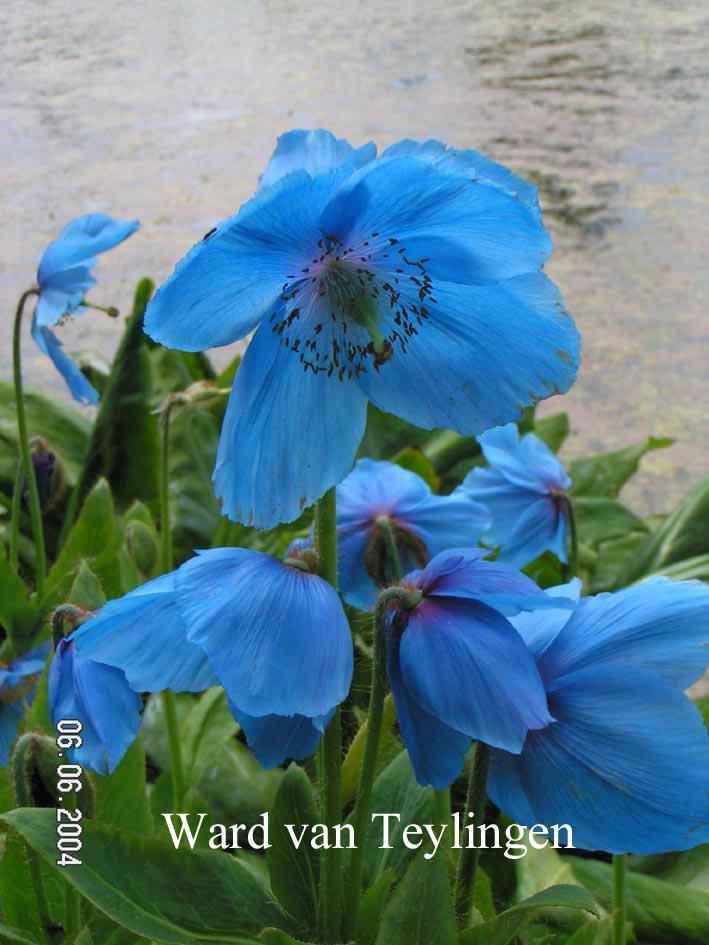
(142, 635)
(465, 664)
(10, 716)
(527, 462)
(470, 163)
(482, 355)
(101, 699)
(314, 152)
(626, 764)
(79, 241)
(277, 637)
(540, 628)
(274, 738)
(436, 750)
(24, 669)
(660, 625)
(233, 278)
(63, 295)
(468, 232)
(288, 435)
(543, 526)
(80, 388)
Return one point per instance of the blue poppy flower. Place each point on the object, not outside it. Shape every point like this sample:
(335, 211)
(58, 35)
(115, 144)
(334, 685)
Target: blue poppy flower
(381, 494)
(458, 668)
(524, 490)
(626, 763)
(412, 280)
(100, 698)
(18, 685)
(64, 277)
(273, 635)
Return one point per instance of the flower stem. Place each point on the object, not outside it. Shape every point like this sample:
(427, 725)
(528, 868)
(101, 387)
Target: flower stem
(35, 507)
(469, 858)
(173, 737)
(331, 745)
(619, 871)
(392, 550)
(369, 756)
(571, 569)
(15, 520)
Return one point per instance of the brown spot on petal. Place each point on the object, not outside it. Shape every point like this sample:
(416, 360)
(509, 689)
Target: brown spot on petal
(563, 355)
(302, 502)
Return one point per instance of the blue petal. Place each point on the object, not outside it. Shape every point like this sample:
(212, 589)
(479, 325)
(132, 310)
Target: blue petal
(660, 625)
(24, 668)
(101, 699)
(142, 635)
(470, 163)
(468, 232)
(274, 738)
(480, 357)
(288, 435)
(465, 664)
(527, 462)
(63, 295)
(314, 152)
(277, 637)
(79, 241)
(10, 716)
(234, 277)
(542, 526)
(626, 765)
(80, 388)
(541, 627)
(436, 750)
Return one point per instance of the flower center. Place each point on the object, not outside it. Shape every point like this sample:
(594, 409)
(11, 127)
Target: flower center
(351, 307)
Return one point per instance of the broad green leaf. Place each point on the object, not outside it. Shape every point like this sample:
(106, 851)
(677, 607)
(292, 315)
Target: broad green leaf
(420, 912)
(16, 890)
(600, 519)
(683, 534)
(179, 897)
(415, 461)
(208, 727)
(295, 869)
(389, 748)
(121, 797)
(604, 475)
(690, 868)
(86, 591)
(553, 430)
(503, 928)
(125, 447)
(691, 569)
(279, 937)
(371, 908)
(595, 932)
(18, 614)
(482, 898)
(660, 911)
(16, 935)
(613, 558)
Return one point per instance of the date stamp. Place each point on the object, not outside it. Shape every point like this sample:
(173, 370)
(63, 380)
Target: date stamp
(69, 784)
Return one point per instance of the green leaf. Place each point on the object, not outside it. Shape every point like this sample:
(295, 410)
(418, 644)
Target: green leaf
(691, 569)
(604, 475)
(86, 591)
(208, 727)
(421, 910)
(18, 613)
(125, 447)
(16, 890)
(294, 870)
(389, 748)
(593, 933)
(16, 935)
(279, 937)
(683, 534)
(179, 897)
(121, 797)
(371, 908)
(553, 430)
(503, 928)
(660, 911)
(415, 461)
(601, 519)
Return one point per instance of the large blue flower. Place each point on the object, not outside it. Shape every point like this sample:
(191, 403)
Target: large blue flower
(380, 495)
(272, 634)
(458, 668)
(99, 697)
(525, 492)
(626, 763)
(18, 684)
(64, 277)
(412, 280)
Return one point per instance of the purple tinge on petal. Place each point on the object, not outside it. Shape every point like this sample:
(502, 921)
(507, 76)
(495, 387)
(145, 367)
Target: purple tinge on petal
(275, 738)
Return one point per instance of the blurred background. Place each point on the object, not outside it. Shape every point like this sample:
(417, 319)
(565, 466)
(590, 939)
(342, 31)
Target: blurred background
(168, 110)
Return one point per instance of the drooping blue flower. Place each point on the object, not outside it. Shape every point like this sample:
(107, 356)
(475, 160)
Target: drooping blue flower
(626, 763)
(272, 634)
(64, 277)
(18, 685)
(458, 668)
(100, 698)
(524, 489)
(412, 280)
(378, 495)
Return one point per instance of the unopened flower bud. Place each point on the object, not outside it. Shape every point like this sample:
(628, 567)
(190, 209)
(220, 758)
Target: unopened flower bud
(142, 546)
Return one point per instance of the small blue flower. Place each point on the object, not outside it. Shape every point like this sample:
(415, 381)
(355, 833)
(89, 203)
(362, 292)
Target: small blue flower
(99, 697)
(626, 763)
(377, 494)
(524, 490)
(272, 634)
(64, 277)
(18, 685)
(412, 280)
(458, 668)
